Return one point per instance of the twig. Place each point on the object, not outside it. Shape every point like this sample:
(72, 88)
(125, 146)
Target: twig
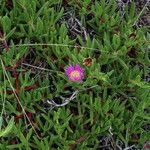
(129, 148)
(141, 12)
(40, 68)
(54, 44)
(67, 100)
(18, 98)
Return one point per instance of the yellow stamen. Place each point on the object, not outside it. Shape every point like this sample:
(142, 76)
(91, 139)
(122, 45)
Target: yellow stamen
(75, 74)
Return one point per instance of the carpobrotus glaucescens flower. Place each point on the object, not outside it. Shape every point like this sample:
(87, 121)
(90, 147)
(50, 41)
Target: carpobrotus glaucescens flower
(75, 73)
(87, 61)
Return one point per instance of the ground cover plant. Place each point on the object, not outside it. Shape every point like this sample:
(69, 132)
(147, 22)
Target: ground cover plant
(73, 75)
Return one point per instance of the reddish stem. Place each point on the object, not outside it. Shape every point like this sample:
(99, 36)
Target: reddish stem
(4, 42)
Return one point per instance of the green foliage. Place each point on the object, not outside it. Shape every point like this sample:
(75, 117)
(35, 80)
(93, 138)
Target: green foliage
(4, 132)
(37, 42)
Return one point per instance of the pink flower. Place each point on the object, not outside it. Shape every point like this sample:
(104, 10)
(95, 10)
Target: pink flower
(75, 73)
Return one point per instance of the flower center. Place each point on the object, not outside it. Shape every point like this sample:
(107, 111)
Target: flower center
(75, 74)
